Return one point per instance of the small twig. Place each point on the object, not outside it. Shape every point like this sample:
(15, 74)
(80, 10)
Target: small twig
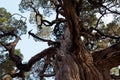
(47, 75)
(20, 16)
(115, 12)
(104, 35)
(99, 20)
(33, 35)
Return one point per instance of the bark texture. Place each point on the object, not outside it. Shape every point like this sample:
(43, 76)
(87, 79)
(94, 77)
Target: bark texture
(76, 64)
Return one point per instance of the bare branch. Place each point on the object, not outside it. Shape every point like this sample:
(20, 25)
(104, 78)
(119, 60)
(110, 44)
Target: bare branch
(58, 20)
(47, 75)
(99, 20)
(115, 12)
(41, 21)
(50, 42)
(33, 35)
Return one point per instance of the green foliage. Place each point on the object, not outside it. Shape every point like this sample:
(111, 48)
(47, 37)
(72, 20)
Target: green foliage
(26, 4)
(19, 26)
(115, 71)
(32, 18)
(44, 33)
(6, 65)
(4, 13)
(8, 23)
(4, 19)
(18, 52)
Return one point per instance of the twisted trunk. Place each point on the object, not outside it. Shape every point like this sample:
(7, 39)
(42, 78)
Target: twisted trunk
(74, 62)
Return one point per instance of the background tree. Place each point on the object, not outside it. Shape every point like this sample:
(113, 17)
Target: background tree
(7, 26)
(84, 48)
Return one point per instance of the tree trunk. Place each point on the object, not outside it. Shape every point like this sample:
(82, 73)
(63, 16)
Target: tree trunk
(73, 65)
(73, 60)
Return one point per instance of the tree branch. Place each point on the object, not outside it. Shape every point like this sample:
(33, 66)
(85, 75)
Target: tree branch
(42, 54)
(50, 42)
(102, 14)
(47, 62)
(11, 45)
(27, 67)
(109, 57)
(18, 61)
(41, 21)
(117, 38)
(47, 75)
(115, 12)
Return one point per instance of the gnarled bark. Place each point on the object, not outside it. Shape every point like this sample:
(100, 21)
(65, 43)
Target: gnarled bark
(79, 59)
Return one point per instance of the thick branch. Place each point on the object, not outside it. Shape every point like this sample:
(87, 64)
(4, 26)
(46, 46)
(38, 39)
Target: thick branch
(109, 57)
(27, 67)
(18, 61)
(58, 20)
(40, 55)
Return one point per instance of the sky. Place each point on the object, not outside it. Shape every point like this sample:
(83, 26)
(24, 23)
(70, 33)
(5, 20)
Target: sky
(27, 45)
